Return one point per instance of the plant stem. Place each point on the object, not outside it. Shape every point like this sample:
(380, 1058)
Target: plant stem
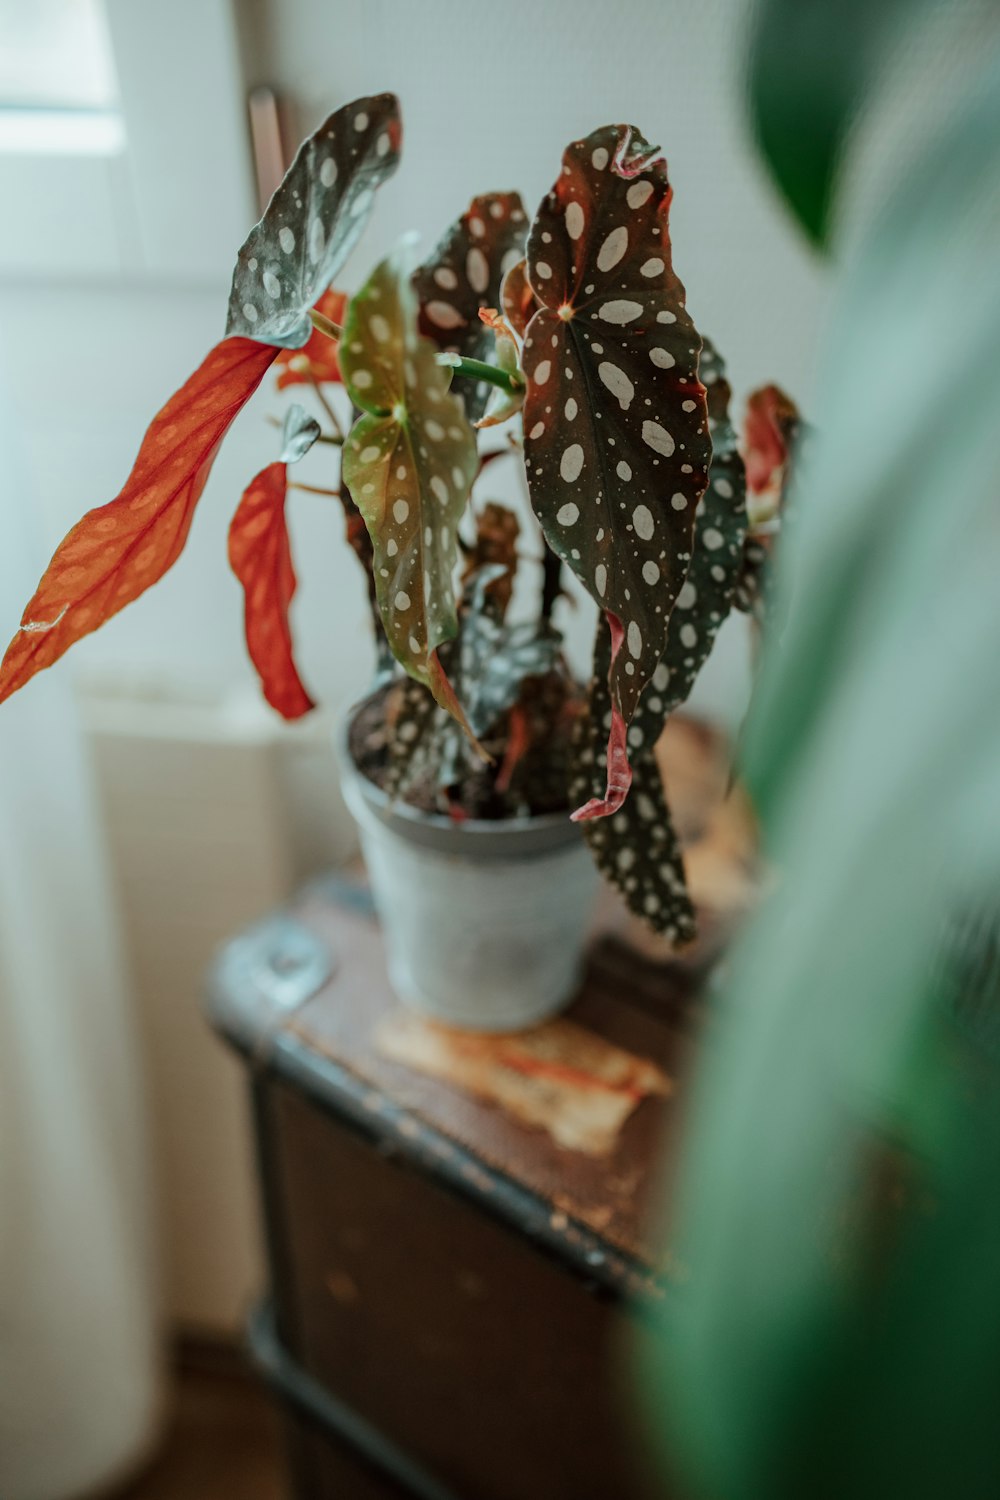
(325, 404)
(478, 369)
(326, 325)
(312, 489)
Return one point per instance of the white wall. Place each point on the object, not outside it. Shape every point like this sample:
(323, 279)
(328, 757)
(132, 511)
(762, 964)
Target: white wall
(493, 92)
(490, 96)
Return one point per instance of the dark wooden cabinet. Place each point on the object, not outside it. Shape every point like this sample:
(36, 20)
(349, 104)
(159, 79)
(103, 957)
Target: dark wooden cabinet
(454, 1297)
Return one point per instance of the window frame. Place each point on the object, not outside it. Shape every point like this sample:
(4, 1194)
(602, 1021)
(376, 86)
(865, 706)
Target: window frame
(169, 195)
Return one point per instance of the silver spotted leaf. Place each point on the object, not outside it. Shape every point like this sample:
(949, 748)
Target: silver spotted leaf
(616, 431)
(415, 721)
(652, 880)
(299, 432)
(409, 463)
(636, 849)
(313, 222)
(494, 658)
(463, 275)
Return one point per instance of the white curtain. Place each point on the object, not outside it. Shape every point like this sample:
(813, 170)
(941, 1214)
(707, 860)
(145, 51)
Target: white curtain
(79, 1380)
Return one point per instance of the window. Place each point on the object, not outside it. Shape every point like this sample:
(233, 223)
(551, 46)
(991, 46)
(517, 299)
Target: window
(55, 55)
(123, 139)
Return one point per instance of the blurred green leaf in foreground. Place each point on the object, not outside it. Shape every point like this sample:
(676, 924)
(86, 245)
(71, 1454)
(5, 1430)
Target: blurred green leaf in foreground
(839, 1209)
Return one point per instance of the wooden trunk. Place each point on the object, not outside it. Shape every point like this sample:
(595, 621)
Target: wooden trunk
(455, 1298)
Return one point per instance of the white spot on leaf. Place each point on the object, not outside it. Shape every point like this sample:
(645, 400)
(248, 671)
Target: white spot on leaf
(443, 315)
(477, 269)
(571, 464)
(657, 438)
(642, 520)
(613, 249)
(617, 383)
(639, 193)
(621, 311)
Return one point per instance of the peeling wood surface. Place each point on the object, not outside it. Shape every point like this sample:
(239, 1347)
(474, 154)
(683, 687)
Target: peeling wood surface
(577, 1086)
(627, 1005)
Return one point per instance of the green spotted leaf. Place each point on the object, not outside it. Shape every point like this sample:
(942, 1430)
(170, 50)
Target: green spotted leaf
(463, 275)
(636, 848)
(409, 463)
(313, 222)
(616, 432)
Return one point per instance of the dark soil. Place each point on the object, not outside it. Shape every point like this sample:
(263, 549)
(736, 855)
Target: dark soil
(538, 781)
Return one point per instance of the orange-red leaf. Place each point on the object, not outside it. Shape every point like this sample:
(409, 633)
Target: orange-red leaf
(317, 360)
(118, 550)
(262, 560)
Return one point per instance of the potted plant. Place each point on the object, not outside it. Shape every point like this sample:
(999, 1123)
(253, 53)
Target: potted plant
(461, 769)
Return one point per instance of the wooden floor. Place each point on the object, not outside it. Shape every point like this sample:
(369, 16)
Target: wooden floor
(223, 1441)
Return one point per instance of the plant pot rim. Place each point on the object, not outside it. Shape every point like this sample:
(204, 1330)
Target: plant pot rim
(471, 838)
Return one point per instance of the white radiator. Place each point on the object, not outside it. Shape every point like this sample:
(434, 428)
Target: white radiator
(214, 812)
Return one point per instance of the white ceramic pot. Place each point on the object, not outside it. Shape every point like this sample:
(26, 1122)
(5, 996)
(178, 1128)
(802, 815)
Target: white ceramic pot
(484, 922)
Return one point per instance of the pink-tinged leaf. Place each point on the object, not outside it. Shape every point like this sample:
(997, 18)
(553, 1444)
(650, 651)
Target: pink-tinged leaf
(119, 550)
(618, 770)
(261, 558)
(770, 427)
(773, 432)
(616, 432)
(463, 275)
(637, 849)
(409, 463)
(313, 222)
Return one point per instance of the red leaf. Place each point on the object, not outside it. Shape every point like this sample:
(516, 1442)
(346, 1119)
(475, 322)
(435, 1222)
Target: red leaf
(317, 360)
(118, 550)
(619, 777)
(262, 560)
